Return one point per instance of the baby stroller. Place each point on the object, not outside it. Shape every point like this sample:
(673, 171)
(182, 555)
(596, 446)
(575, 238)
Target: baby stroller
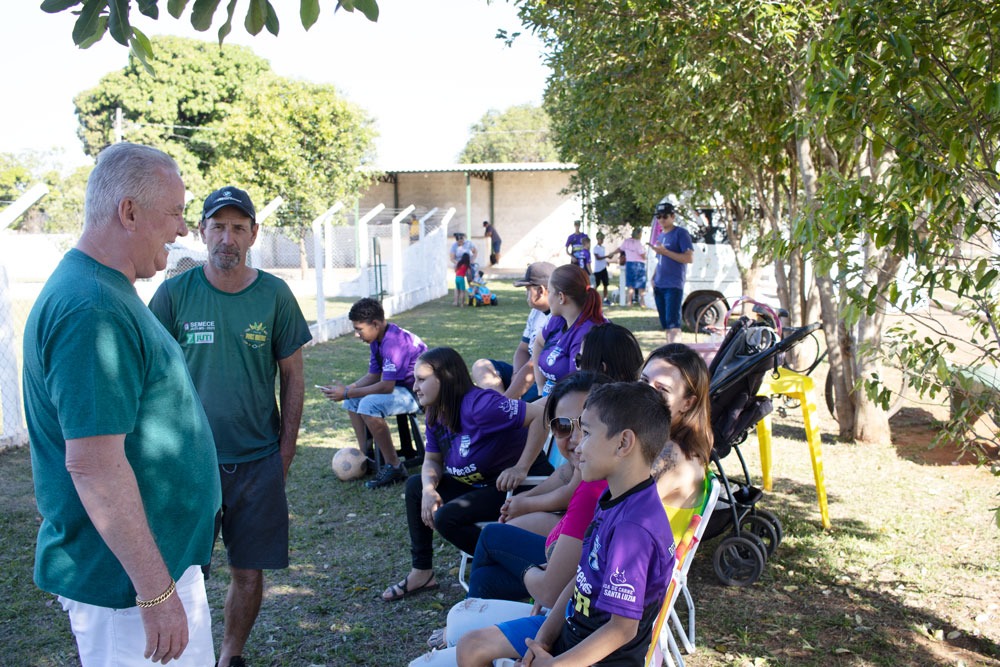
(479, 293)
(749, 350)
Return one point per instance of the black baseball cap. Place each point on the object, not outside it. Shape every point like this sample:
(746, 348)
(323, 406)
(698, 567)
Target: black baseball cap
(228, 196)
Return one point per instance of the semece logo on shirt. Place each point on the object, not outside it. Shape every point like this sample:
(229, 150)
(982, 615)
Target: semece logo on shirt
(199, 333)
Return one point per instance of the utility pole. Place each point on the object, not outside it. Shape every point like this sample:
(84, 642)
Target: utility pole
(118, 125)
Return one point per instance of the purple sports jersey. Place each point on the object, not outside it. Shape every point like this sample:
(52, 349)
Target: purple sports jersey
(395, 355)
(492, 437)
(626, 564)
(558, 357)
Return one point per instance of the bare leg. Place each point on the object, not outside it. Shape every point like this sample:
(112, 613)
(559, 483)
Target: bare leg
(361, 433)
(246, 589)
(480, 648)
(379, 429)
(414, 580)
(485, 376)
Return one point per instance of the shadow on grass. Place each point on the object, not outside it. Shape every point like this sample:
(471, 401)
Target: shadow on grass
(806, 609)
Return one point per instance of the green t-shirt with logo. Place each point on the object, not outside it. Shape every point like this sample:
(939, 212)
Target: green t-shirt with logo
(232, 343)
(96, 362)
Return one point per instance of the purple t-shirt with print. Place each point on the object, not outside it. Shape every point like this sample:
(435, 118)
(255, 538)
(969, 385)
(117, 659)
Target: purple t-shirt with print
(558, 357)
(395, 355)
(491, 440)
(624, 569)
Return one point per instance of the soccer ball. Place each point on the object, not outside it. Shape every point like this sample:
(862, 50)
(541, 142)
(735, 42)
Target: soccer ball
(349, 464)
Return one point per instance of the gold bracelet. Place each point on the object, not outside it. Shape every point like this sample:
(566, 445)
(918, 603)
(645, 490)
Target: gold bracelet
(162, 597)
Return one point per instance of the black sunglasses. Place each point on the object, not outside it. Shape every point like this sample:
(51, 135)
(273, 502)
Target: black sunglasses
(562, 427)
(578, 360)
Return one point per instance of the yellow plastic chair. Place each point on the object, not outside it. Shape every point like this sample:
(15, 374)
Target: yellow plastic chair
(801, 388)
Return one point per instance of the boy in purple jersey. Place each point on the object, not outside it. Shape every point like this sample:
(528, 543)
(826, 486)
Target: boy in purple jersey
(628, 551)
(386, 390)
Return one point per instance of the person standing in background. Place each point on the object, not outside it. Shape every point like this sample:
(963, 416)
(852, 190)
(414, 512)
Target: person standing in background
(490, 232)
(601, 267)
(574, 243)
(635, 267)
(675, 251)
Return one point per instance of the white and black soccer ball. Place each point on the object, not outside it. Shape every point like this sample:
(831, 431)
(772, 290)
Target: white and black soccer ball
(349, 464)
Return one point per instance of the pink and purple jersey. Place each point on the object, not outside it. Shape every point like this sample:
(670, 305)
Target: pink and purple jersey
(491, 440)
(624, 570)
(395, 355)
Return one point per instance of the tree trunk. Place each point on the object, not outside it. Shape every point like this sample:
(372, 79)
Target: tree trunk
(303, 257)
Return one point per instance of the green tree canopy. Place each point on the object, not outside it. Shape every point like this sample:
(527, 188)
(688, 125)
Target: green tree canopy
(518, 134)
(97, 17)
(226, 118)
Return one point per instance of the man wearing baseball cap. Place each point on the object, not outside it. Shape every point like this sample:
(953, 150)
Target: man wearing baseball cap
(241, 328)
(517, 380)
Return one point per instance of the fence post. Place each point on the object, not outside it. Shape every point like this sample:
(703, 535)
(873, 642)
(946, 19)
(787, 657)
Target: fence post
(364, 256)
(398, 260)
(423, 222)
(14, 433)
(317, 230)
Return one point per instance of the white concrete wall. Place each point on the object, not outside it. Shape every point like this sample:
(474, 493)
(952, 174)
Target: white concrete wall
(532, 214)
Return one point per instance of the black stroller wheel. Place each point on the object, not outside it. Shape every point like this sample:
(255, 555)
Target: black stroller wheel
(771, 518)
(739, 560)
(762, 529)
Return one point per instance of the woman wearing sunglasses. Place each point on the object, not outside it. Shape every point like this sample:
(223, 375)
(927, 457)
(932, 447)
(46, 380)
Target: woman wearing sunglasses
(607, 348)
(575, 308)
(681, 376)
(473, 435)
(510, 563)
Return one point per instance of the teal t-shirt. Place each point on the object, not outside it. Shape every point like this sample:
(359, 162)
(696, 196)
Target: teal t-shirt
(96, 362)
(232, 343)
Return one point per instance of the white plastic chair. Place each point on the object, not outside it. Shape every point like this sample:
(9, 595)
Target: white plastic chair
(664, 648)
(556, 459)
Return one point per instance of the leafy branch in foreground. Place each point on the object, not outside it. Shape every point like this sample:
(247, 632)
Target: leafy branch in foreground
(97, 17)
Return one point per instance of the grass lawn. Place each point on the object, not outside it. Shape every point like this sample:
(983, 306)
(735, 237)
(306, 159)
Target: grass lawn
(907, 576)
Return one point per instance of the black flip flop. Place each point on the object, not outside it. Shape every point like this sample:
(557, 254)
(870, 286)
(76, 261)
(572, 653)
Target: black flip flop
(404, 590)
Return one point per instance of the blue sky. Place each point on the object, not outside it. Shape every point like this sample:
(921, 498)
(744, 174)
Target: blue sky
(426, 71)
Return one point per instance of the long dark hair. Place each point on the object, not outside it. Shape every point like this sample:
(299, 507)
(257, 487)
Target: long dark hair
(693, 430)
(612, 349)
(450, 370)
(574, 282)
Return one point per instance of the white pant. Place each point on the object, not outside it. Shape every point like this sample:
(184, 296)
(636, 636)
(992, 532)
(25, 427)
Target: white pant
(468, 615)
(115, 637)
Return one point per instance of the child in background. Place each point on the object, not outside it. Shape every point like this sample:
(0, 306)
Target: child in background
(582, 256)
(628, 551)
(461, 270)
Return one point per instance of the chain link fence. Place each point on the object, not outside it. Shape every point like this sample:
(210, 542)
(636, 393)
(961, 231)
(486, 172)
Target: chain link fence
(398, 256)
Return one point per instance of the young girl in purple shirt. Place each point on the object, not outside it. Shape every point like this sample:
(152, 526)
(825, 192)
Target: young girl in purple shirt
(473, 435)
(575, 308)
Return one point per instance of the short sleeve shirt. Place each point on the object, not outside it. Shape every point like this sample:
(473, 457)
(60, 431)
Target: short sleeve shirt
(599, 264)
(634, 250)
(575, 241)
(395, 356)
(536, 322)
(558, 357)
(579, 512)
(669, 272)
(624, 570)
(491, 439)
(97, 362)
(232, 342)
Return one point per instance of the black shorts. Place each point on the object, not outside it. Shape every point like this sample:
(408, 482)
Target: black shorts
(601, 277)
(254, 514)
